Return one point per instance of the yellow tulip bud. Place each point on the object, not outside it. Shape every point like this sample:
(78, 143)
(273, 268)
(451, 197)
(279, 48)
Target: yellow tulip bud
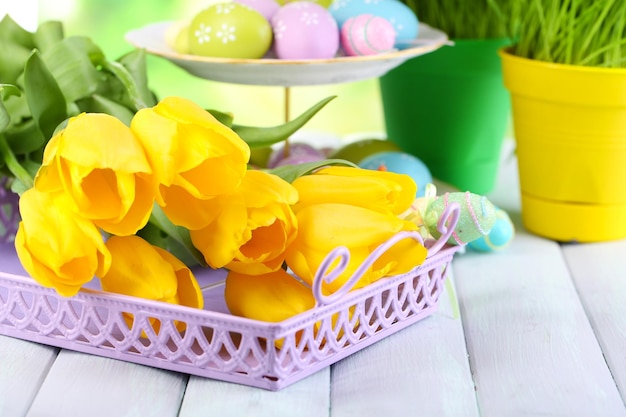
(141, 270)
(251, 228)
(323, 227)
(58, 248)
(382, 191)
(193, 155)
(270, 297)
(100, 164)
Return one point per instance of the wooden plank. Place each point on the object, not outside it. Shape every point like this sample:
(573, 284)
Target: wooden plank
(532, 349)
(599, 272)
(81, 385)
(306, 398)
(23, 368)
(421, 370)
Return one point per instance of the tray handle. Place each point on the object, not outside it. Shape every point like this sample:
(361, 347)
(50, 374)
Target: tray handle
(327, 273)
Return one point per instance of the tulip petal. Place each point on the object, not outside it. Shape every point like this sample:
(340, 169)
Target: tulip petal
(64, 257)
(270, 297)
(377, 190)
(323, 227)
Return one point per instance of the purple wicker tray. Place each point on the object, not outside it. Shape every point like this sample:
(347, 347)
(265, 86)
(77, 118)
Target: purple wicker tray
(216, 344)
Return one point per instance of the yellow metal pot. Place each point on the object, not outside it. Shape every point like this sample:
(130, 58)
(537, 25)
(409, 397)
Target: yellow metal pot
(570, 129)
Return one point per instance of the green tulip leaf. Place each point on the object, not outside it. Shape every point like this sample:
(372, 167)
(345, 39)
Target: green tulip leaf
(292, 172)
(6, 91)
(25, 137)
(16, 45)
(224, 118)
(70, 63)
(257, 137)
(44, 96)
(129, 83)
(100, 104)
(48, 34)
(184, 247)
(135, 63)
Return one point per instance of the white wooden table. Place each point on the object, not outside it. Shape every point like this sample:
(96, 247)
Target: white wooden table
(536, 330)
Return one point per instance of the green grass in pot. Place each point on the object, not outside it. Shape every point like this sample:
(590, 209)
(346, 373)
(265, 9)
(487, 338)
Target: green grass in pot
(575, 32)
(469, 19)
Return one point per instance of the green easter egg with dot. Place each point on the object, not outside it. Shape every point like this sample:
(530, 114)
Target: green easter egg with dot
(229, 30)
(357, 151)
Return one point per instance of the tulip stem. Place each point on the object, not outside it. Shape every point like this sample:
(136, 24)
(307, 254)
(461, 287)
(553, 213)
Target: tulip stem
(287, 116)
(13, 164)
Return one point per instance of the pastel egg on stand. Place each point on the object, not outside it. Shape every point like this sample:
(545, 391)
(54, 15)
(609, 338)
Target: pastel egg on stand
(305, 30)
(367, 34)
(267, 8)
(402, 18)
(401, 163)
(498, 238)
(229, 30)
(358, 150)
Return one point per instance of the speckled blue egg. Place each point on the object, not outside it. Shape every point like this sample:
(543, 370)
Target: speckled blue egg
(499, 237)
(397, 13)
(401, 163)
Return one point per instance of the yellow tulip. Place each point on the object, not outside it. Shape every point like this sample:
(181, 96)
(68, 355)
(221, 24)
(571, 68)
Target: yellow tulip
(251, 228)
(98, 161)
(323, 227)
(141, 270)
(56, 247)
(194, 157)
(382, 191)
(270, 297)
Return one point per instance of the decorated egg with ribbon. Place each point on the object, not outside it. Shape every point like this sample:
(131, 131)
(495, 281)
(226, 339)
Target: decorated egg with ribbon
(498, 238)
(400, 163)
(367, 34)
(304, 30)
(477, 217)
(229, 30)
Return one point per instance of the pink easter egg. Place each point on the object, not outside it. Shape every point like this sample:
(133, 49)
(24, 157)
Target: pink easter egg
(304, 30)
(367, 34)
(266, 7)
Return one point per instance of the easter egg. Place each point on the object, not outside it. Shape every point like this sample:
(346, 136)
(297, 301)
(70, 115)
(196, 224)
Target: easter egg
(401, 163)
(305, 30)
(267, 8)
(367, 34)
(356, 151)
(499, 237)
(229, 30)
(402, 18)
(297, 153)
(476, 219)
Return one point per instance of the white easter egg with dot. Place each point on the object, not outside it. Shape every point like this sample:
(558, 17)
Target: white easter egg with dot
(305, 30)
(229, 30)
(400, 163)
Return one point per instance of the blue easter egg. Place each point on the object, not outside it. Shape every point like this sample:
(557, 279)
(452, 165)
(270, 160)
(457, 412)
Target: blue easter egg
(401, 17)
(400, 163)
(499, 237)
(397, 13)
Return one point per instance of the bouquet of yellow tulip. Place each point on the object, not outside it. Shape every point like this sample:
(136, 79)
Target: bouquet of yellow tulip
(138, 191)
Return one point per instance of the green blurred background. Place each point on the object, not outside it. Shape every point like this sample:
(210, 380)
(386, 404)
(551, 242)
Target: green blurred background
(357, 108)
